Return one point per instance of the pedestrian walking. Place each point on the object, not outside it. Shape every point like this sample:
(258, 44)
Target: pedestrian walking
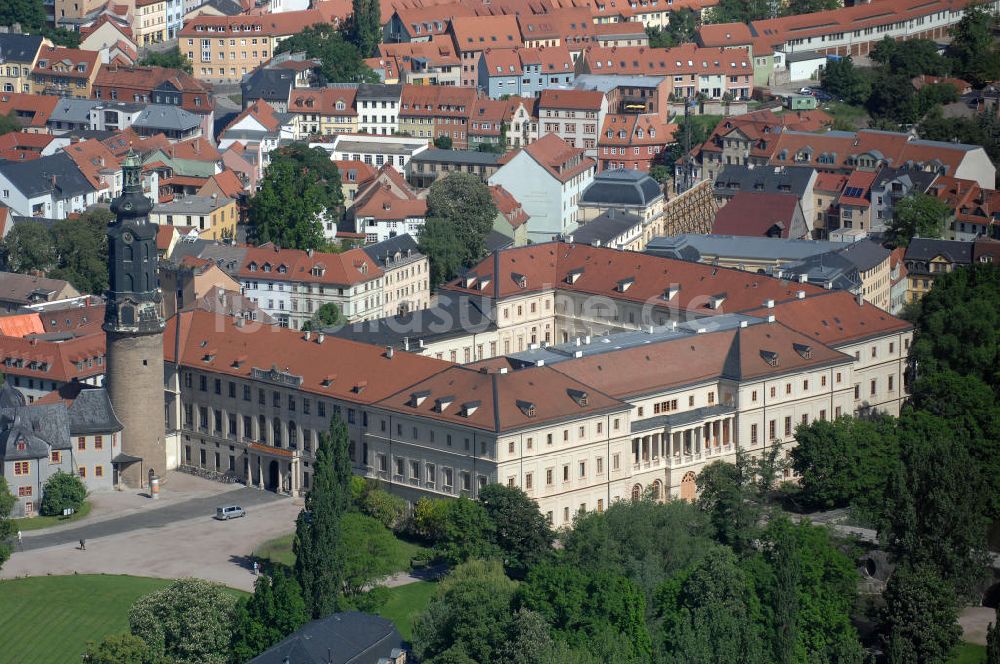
(256, 566)
(83, 545)
(20, 541)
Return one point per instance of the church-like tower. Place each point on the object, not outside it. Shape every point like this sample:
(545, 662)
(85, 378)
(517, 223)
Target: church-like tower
(133, 321)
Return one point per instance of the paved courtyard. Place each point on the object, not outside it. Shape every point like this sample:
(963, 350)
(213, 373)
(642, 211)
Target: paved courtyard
(171, 537)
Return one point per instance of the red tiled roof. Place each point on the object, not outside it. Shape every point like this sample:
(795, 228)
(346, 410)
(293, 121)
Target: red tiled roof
(684, 59)
(754, 213)
(582, 100)
(508, 206)
(70, 58)
(323, 101)
(343, 269)
(357, 372)
(559, 158)
(228, 183)
(31, 110)
(63, 360)
(833, 317)
(501, 402)
(477, 33)
(858, 181)
(281, 24)
(725, 34)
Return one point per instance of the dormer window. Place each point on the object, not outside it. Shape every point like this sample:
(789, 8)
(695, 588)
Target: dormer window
(526, 407)
(418, 398)
(580, 397)
(770, 357)
(715, 301)
(469, 408)
(519, 279)
(804, 350)
(267, 267)
(328, 380)
(469, 281)
(252, 267)
(441, 403)
(282, 269)
(574, 275)
(484, 283)
(624, 284)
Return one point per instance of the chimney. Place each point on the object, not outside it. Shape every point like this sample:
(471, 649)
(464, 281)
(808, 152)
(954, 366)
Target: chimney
(770, 319)
(308, 335)
(389, 352)
(769, 304)
(406, 343)
(320, 337)
(861, 299)
(800, 295)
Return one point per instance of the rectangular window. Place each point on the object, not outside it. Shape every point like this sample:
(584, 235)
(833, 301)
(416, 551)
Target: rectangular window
(772, 429)
(81, 443)
(98, 442)
(548, 477)
(892, 381)
(82, 471)
(753, 433)
(600, 465)
(527, 481)
(873, 385)
(56, 456)
(615, 462)
(788, 426)
(24, 492)
(22, 467)
(98, 471)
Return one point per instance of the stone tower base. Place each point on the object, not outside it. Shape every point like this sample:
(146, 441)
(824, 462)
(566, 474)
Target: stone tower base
(134, 381)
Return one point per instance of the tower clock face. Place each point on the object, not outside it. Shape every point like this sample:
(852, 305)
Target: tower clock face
(127, 205)
(127, 237)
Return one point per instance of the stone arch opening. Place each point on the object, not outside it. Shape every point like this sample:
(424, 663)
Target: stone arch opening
(689, 489)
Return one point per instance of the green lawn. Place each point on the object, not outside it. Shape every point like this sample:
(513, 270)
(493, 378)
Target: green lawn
(405, 602)
(279, 550)
(50, 618)
(968, 653)
(854, 116)
(39, 522)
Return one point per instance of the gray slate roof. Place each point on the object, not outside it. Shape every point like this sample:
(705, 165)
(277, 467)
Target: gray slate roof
(384, 252)
(16, 287)
(341, 638)
(452, 316)
(41, 427)
(192, 205)
(693, 246)
(602, 230)
(267, 84)
(34, 177)
(864, 254)
(924, 249)
(19, 48)
(70, 109)
(621, 186)
(473, 157)
(915, 179)
(787, 180)
(380, 91)
(163, 116)
(90, 410)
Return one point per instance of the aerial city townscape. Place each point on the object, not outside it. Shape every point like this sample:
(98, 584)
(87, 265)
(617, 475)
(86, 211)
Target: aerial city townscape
(499, 331)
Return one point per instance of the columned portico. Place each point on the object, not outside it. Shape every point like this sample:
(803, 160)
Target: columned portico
(274, 469)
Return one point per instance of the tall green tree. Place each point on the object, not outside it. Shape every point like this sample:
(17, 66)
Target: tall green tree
(993, 639)
(444, 250)
(680, 29)
(917, 214)
(328, 315)
(842, 79)
(467, 532)
(893, 99)
(958, 325)
(188, 621)
(520, 531)
(171, 58)
(341, 61)
(81, 247)
(464, 201)
(974, 55)
(711, 613)
(7, 527)
(934, 512)
(468, 618)
(364, 27)
(797, 7)
(275, 610)
(9, 123)
(28, 247)
(301, 187)
(318, 539)
(367, 557)
(62, 491)
(910, 57)
(29, 13)
(920, 619)
(738, 11)
(119, 649)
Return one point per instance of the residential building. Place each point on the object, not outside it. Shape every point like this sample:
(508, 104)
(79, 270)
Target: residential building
(425, 168)
(224, 49)
(756, 214)
(855, 201)
(353, 174)
(378, 108)
(214, 217)
(633, 141)
(52, 187)
(891, 185)
(432, 62)
(157, 85)
(150, 25)
(291, 285)
(64, 72)
(74, 431)
(171, 121)
(32, 111)
(796, 180)
(474, 34)
(112, 37)
(511, 221)
(615, 229)
(486, 125)
(548, 178)
(927, 258)
(525, 71)
(21, 290)
(374, 150)
(405, 280)
(576, 116)
(386, 206)
(434, 111)
(20, 56)
(628, 194)
(323, 111)
(191, 280)
(258, 129)
(976, 211)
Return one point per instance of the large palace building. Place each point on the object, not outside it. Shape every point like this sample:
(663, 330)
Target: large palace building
(580, 374)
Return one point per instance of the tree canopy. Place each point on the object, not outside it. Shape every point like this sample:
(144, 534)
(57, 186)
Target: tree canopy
(341, 61)
(301, 187)
(973, 53)
(364, 27)
(62, 491)
(188, 621)
(9, 123)
(328, 315)
(7, 527)
(460, 214)
(318, 544)
(272, 612)
(171, 58)
(680, 29)
(918, 214)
